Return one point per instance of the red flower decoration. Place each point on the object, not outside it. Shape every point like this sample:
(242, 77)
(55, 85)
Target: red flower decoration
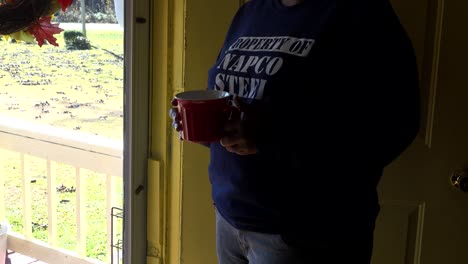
(44, 30)
(65, 4)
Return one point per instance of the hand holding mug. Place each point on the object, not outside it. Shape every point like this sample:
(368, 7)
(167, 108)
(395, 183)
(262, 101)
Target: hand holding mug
(241, 130)
(175, 116)
(200, 115)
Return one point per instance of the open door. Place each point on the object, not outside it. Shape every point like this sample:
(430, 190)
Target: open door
(424, 212)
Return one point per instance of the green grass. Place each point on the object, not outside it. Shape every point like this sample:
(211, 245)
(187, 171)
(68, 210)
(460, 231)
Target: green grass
(80, 90)
(77, 90)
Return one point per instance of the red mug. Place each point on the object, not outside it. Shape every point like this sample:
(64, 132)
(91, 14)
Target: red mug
(203, 114)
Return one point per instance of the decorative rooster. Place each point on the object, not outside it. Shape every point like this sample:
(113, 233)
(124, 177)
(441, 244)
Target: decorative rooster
(26, 20)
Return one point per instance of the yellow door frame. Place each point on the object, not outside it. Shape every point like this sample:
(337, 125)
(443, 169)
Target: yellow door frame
(185, 38)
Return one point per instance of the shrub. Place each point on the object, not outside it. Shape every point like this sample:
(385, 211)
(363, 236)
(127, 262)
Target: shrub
(75, 40)
(72, 34)
(80, 43)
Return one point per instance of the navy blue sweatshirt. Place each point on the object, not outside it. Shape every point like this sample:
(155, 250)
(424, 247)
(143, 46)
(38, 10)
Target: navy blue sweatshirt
(336, 88)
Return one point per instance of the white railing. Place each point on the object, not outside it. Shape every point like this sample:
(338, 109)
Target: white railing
(56, 145)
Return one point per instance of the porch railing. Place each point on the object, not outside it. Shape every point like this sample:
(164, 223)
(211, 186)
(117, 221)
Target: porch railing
(56, 145)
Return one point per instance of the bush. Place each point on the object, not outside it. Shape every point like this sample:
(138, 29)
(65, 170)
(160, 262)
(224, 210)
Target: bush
(70, 35)
(80, 43)
(75, 40)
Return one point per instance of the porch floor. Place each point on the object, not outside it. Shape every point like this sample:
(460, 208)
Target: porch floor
(17, 258)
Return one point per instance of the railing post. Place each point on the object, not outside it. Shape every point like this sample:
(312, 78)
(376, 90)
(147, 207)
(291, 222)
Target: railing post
(27, 198)
(80, 212)
(110, 196)
(2, 188)
(55, 146)
(52, 201)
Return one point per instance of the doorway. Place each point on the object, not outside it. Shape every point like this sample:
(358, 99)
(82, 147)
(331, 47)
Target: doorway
(67, 138)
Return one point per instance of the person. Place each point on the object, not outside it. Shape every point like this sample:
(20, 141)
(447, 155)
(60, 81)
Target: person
(329, 95)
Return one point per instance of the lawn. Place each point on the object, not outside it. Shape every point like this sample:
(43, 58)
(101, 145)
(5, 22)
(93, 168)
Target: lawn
(80, 90)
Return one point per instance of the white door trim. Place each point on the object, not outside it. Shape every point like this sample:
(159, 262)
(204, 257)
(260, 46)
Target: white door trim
(136, 129)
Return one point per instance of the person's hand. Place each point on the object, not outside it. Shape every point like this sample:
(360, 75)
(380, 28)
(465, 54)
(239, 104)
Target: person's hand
(240, 132)
(175, 116)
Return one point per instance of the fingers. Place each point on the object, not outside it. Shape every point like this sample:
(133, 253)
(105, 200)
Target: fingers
(232, 127)
(235, 140)
(237, 145)
(242, 151)
(232, 138)
(177, 126)
(174, 114)
(230, 141)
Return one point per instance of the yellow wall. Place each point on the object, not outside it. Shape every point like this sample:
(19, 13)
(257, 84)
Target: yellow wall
(186, 37)
(206, 24)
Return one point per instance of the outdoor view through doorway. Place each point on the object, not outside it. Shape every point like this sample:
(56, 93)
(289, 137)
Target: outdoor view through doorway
(61, 138)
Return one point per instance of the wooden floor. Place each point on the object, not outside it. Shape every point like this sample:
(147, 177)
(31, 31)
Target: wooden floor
(16, 258)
